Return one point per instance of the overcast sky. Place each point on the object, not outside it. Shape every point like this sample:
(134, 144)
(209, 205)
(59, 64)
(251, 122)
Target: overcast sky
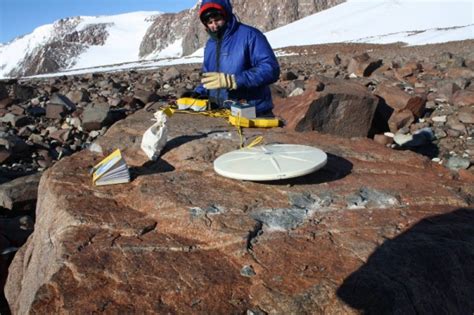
(20, 17)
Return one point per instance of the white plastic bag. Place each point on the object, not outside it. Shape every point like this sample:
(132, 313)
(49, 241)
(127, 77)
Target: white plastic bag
(154, 139)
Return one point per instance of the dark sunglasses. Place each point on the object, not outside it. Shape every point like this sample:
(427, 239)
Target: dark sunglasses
(213, 15)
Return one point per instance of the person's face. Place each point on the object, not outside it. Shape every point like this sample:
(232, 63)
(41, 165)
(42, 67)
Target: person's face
(215, 23)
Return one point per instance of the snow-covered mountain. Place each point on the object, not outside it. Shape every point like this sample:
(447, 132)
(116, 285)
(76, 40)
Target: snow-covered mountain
(82, 44)
(76, 43)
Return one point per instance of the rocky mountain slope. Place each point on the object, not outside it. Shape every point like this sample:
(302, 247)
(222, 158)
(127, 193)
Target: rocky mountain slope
(65, 43)
(62, 44)
(264, 15)
(60, 51)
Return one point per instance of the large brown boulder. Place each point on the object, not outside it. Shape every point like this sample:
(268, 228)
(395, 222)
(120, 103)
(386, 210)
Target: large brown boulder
(400, 120)
(342, 108)
(181, 239)
(363, 65)
(400, 100)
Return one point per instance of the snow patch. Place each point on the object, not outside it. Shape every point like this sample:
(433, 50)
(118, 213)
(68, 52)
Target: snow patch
(12, 54)
(415, 22)
(126, 32)
(173, 50)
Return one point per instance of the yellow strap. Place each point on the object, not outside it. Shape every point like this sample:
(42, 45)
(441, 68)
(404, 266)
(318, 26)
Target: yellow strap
(189, 101)
(254, 123)
(168, 111)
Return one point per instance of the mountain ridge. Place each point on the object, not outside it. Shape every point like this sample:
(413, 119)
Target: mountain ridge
(167, 35)
(151, 41)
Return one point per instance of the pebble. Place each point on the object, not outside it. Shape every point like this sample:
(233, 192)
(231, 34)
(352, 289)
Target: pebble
(440, 134)
(95, 148)
(454, 133)
(439, 119)
(456, 163)
(296, 92)
(8, 250)
(430, 105)
(402, 139)
(247, 271)
(94, 134)
(404, 130)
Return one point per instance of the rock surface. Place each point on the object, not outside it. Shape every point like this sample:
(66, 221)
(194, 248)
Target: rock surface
(375, 229)
(342, 108)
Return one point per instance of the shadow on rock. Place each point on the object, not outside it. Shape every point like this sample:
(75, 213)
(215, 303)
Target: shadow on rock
(151, 167)
(9, 175)
(178, 141)
(429, 269)
(429, 150)
(5, 261)
(13, 234)
(381, 116)
(420, 142)
(161, 166)
(336, 168)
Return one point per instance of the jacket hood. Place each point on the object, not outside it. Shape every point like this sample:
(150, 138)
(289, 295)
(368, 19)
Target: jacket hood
(232, 22)
(223, 3)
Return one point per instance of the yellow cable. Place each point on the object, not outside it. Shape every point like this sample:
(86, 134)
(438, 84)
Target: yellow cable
(221, 113)
(255, 142)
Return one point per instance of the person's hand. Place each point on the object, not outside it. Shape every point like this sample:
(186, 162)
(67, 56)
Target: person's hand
(218, 80)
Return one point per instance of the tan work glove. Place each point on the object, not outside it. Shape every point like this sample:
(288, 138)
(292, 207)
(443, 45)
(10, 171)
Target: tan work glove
(218, 80)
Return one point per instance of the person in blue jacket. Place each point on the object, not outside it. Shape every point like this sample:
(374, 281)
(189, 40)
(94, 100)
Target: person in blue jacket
(239, 63)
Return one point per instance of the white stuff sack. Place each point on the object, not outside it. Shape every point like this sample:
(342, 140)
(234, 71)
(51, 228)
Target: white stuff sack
(154, 139)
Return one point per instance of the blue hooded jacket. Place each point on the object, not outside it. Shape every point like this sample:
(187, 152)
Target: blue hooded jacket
(244, 52)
